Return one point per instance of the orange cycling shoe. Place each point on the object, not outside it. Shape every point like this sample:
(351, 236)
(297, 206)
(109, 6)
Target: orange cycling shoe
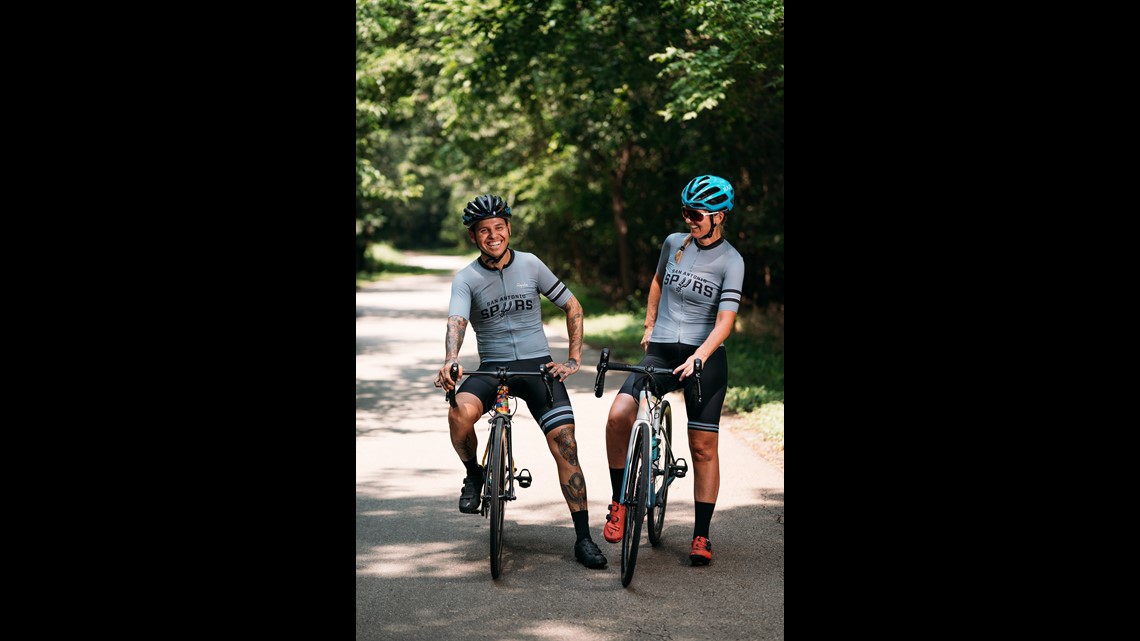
(701, 554)
(615, 523)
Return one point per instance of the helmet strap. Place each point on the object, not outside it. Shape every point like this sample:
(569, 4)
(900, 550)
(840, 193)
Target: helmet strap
(494, 259)
(712, 228)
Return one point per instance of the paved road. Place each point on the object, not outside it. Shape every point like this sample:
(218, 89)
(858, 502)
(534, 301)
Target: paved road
(422, 570)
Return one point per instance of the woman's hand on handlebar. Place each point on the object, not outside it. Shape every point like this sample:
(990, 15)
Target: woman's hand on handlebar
(686, 369)
(443, 377)
(562, 371)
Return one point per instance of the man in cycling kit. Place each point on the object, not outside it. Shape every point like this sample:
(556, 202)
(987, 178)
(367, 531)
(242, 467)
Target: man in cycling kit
(693, 301)
(498, 293)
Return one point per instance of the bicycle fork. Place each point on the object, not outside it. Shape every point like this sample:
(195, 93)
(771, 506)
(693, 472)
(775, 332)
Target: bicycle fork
(506, 487)
(642, 427)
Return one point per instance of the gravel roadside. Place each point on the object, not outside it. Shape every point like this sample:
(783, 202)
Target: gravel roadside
(765, 448)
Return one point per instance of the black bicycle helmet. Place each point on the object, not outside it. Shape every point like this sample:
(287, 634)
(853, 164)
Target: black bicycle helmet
(485, 206)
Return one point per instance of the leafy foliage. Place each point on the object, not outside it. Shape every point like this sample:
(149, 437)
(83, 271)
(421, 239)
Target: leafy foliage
(587, 117)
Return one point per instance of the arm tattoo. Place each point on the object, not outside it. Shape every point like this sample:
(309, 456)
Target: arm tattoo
(574, 330)
(575, 492)
(456, 328)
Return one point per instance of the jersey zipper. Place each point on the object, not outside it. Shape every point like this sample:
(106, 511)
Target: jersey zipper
(507, 317)
(684, 303)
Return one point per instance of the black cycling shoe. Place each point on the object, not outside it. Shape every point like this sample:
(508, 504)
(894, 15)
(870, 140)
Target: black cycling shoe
(469, 497)
(588, 554)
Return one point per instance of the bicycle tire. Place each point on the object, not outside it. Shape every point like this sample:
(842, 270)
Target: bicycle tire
(496, 489)
(635, 496)
(660, 469)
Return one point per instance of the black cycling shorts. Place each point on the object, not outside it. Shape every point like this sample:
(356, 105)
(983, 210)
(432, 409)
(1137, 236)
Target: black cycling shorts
(529, 388)
(703, 416)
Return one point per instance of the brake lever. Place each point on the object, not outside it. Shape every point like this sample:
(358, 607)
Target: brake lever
(603, 365)
(546, 379)
(697, 366)
(451, 392)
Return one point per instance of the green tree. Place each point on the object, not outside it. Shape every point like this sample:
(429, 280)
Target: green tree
(587, 116)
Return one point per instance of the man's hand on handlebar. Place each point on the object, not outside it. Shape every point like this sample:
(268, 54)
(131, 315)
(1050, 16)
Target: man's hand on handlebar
(562, 371)
(443, 377)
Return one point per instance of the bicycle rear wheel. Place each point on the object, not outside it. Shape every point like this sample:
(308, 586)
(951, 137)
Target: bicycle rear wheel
(496, 492)
(637, 485)
(660, 475)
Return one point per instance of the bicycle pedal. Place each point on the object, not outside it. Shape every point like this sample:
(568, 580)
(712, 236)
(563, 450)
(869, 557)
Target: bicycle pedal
(680, 468)
(524, 478)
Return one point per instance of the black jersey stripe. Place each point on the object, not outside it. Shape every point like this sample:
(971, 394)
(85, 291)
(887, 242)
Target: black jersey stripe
(561, 289)
(553, 287)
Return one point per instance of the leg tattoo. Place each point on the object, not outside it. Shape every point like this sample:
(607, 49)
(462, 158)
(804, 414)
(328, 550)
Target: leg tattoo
(567, 447)
(465, 449)
(575, 492)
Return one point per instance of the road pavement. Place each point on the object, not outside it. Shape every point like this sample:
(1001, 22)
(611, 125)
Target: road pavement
(422, 568)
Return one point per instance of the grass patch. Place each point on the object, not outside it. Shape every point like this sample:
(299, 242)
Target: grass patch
(620, 332)
(385, 261)
(466, 249)
(768, 420)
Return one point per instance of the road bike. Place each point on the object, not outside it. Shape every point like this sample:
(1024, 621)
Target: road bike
(500, 473)
(650, 467)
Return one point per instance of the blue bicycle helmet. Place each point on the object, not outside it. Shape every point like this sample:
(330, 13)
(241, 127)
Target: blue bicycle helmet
(485, 206)
(710, 193)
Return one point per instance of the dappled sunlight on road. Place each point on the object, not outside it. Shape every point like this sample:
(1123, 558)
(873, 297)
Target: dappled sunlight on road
(422, 560)
(422, 566)
(560, 630)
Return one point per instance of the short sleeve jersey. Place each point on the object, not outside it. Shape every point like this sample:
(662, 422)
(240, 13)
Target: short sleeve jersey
(503, 306)
(708, 280)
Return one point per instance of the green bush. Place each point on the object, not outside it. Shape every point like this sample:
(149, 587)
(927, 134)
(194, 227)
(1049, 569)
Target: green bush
(755, 361)
(748, 398)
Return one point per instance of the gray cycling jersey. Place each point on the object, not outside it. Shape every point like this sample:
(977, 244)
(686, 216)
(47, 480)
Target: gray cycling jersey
(708, 280)
(503, 306)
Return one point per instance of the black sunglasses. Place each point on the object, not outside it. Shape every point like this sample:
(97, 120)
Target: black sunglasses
(693, 214)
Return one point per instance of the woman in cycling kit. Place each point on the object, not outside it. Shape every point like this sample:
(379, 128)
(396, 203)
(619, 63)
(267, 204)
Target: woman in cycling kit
(499, 294)
(693, 301)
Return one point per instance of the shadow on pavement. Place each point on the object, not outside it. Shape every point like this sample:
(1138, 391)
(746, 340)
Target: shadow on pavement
(446, 554)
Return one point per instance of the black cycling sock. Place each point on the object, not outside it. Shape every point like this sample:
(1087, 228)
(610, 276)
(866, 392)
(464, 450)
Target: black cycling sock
(581, 524)
(615, 482)
(474, 470)
(704, 517)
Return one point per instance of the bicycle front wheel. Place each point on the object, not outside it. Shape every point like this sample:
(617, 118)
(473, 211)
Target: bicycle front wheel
(636, 488)
(496, 492)
(659, 469)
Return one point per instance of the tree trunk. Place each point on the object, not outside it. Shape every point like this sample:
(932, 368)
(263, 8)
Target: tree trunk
(618, 203)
